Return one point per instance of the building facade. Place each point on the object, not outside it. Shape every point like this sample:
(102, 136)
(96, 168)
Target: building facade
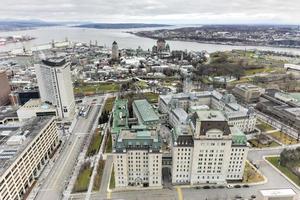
(55, 85)
(23, 156)
(211, 151)
(137, 159)
(5, 88)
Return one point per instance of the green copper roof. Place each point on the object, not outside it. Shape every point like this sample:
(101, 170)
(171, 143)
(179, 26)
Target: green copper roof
(134, 140)
(145, 110)
(120, 115)
(296, 95)
(238, 137)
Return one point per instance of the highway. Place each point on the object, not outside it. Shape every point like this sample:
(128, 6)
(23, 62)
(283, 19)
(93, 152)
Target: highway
(55, 183)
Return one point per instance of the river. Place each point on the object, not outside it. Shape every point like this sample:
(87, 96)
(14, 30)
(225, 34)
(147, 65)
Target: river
(105, 37)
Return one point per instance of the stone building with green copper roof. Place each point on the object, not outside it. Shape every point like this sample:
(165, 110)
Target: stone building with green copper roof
(120, 117)
(145, 113)
(137, 146)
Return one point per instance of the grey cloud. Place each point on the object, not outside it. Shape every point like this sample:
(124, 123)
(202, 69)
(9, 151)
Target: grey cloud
(173, 11)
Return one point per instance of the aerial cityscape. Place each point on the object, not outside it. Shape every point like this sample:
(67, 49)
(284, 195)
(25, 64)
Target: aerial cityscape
(136, 100)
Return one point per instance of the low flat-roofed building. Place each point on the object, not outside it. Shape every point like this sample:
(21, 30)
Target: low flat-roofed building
(247, 92)
(282, 106)
(8, 114)
(23, 155)
(277, 194)
(145, 113)
(36, 108)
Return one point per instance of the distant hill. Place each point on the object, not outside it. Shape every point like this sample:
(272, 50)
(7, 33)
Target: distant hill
(119, 26)
(7, 25)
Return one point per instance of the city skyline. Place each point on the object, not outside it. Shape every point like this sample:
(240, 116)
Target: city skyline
(154, 11)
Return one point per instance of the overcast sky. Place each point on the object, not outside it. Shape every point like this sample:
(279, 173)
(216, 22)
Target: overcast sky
(155, 11)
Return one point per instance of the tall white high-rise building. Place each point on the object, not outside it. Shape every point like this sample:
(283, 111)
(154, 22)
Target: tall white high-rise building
(55, 85)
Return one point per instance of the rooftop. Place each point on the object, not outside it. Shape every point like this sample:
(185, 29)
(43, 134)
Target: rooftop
(14, 141)
(145, 110)
(131, 140)
(180, 114)
(37, 104)
(54, 61)
(8, 112)
(294, 111)
(210, 115)
(278, 193)
(120, 115)
(247, 86)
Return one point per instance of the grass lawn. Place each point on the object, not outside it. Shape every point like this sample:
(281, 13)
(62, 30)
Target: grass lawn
(251, 175)
(254, 71)
(283, 138)
(275, 162)
(108, 148)
(242, 80)
(99, 87)
(256, 144)
(98, 177)
(109, 104)
(151, 97)
(142, 84)
(264, 127)
(95, 144)
(83, 180)
(112, 183)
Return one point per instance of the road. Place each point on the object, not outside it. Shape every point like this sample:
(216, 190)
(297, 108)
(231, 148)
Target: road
(56, 181)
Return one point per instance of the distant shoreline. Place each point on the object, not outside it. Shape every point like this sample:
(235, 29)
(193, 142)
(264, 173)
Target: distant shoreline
(121, 25)
(214, 42)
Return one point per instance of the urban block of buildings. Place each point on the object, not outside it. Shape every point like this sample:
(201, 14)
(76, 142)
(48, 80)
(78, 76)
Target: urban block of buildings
(237, 115)
(208, 145)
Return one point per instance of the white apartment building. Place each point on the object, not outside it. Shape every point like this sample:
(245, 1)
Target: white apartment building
(137, 159)
(23, 155)
(237, 115)
(55, 85)
(208, 151)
